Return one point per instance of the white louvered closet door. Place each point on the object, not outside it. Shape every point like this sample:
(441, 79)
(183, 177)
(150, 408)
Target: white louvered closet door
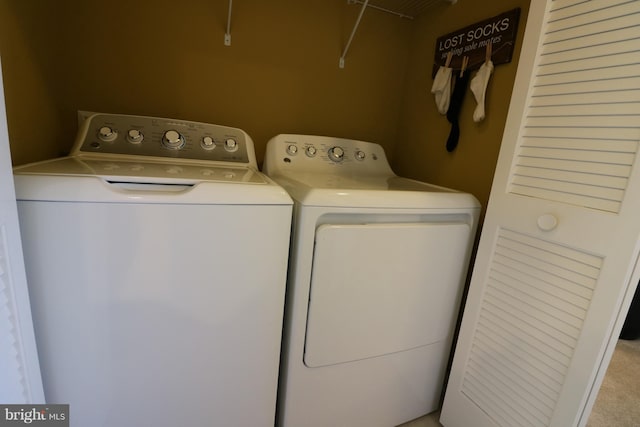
(556, 266)
(20, 380)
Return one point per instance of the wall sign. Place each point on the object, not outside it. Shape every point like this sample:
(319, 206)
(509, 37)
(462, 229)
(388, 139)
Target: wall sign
(472, 42)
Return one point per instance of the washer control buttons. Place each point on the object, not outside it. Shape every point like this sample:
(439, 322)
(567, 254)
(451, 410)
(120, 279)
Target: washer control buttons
(173, 170)
(208, 143)
(311, 151)
(230, 144)
(173, 140)
(110, 167)
(336, 154)
(292, 149)
(360, 155)
(134, 136)
(107, 134)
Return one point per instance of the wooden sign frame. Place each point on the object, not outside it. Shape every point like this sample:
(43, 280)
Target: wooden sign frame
(471, 41)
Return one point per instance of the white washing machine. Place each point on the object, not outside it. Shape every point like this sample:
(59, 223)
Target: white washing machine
(377, 269)
(156, 258)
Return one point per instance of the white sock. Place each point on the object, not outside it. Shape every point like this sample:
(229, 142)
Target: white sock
(441, 88)
(479, 87)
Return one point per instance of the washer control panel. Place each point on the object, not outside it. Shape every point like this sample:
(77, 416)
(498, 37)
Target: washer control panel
(158, 137)
(311, 153)
(336, 153)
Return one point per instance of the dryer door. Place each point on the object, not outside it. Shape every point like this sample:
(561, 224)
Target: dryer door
(383, 288)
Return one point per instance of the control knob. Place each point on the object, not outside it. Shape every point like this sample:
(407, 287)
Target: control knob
(107, 134)
(311, 151)
(360, 155)
(134, 136)
(208, 143)
(230, 144)
(336, 154)
(173, 140)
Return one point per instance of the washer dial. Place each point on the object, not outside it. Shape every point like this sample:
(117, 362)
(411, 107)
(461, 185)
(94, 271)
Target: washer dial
(107, 134)
(173, 140)
(292, 150)
(230, 144)
(134, 136)
(311, 151)
(336, 154)
(208, 143)
(360, 155)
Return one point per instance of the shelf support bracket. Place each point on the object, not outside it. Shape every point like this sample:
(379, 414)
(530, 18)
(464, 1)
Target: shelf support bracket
(227, 34)
(353, 32)
(382, 9)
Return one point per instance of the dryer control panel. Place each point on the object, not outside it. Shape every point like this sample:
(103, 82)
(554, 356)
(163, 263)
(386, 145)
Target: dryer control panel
(322, 154)
(119, 134)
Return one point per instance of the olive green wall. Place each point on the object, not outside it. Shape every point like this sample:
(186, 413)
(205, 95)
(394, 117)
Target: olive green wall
(422, 132)
(167, 58)
(280, 75)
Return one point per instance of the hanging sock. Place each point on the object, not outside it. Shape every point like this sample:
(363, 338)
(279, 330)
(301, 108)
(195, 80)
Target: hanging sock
(454, 110)
(479, 88)
(441, 88)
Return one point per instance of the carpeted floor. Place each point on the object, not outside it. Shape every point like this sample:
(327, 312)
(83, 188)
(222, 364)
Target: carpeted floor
(618, 402)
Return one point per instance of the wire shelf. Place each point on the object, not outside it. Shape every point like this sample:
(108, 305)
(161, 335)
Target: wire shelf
(404, 8)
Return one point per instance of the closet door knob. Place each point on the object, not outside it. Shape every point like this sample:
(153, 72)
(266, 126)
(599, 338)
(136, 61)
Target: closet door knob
(547, 222)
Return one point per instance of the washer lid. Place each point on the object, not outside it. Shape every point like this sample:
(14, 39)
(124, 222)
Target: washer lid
(382, 191)
(141, 170)
(112, 180)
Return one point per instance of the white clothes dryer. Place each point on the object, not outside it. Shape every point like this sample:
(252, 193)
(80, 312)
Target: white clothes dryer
(377, 270)
(156, 259)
